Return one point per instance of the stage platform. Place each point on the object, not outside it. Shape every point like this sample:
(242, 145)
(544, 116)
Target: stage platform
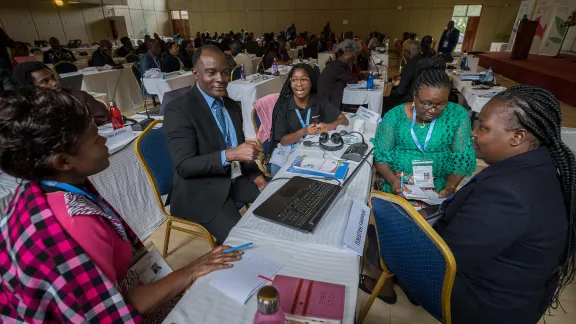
(557, 75)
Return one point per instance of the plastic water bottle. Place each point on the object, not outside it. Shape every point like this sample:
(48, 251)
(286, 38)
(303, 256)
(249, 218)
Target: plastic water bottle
(489, 75)
(242, 73)
(116, 116)
(275, 66)
(464, 63)
(269, 311)
(370, 82)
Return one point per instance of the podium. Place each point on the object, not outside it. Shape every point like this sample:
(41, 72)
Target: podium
(523, 40)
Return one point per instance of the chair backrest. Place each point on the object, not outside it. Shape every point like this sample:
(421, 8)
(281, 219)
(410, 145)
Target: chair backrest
(23, 59)
(316, 69)
(415, 253)
(152, 151)
(65, 67)
(137, 75)
(235, 75)
(261, 68)
(132, 58)
(256, 120)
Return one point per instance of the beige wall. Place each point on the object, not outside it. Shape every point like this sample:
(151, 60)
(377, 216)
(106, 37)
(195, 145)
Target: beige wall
(420, 16)
(29, 20)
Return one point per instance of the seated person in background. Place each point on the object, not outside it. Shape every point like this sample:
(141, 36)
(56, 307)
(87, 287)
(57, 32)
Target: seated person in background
(150, 60)
(251, 45)
(55, 148)
(511, 228)
(311, 49)
(161, 42)
(283, 51)
(142, 48)
(432, 130)
(103, 55)
(213, 165)
(300, 111)
(336, 76)
(56, 53)
(322, 44)
(39, 75)
(21, 51)
(170, 60)
(302, 39)
(241, 58)
(271, 54)
(125, 49)
(402, 136)
(186, 52)
(404, 84)
(426, 46)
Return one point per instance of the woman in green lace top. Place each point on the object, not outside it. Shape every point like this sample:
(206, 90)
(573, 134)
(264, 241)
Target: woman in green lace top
(449, 147)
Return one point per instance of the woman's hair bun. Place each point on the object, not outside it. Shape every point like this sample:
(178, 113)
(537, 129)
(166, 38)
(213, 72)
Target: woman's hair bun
(430, 64)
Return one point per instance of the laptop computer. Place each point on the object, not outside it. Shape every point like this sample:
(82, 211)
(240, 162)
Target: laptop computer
(302, 202)
(72, 81)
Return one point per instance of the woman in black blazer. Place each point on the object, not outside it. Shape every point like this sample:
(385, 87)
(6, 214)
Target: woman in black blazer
(511, 228)
(170, 60)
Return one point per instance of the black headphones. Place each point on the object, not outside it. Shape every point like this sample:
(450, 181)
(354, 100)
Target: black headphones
(335, 138)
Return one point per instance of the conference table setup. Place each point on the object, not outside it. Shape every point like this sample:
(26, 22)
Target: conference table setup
(169, 82)
(475, 96)
(319, 256)
(357, 94)
(119, 84)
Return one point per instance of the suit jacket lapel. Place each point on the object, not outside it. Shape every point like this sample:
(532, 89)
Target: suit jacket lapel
(207, 116)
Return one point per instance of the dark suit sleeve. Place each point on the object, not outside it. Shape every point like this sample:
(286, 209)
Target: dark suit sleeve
(405, 79)
(454, 41)
(5, 40)
(329, 113)
(441, 42)
(488, 222)
(98, 110)
(183, 145)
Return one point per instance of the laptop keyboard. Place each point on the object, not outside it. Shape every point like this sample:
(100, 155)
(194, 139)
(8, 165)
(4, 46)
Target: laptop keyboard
(300, 209)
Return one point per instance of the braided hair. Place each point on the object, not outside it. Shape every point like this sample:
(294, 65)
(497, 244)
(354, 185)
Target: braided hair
(431, 73)
(286, 93)
(538, 111)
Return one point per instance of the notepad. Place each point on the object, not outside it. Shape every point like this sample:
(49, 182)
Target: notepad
(242, 281)
(428, 196)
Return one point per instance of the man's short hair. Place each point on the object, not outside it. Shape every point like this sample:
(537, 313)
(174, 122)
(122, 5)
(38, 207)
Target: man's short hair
(150, 43)
(23, 72)
(199, 51)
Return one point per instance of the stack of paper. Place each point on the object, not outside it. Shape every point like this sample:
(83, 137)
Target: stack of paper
(245, 278)
(428, 196)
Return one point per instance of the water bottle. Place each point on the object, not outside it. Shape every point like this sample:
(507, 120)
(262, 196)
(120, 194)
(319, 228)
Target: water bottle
(489, 76)
(242, 73)
(464, 63)
(269, 311)
(275, 66)
(116, 116)
(370, 83)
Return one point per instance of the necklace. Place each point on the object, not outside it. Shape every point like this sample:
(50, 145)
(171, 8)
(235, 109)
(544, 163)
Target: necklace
(422, 125)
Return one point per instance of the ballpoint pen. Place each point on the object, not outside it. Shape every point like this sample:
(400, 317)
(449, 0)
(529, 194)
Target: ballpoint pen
(239, 247)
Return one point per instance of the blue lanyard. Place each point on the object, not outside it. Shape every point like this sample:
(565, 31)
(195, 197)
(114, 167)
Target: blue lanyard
(307, 117)
(72, 189)
(416, 141)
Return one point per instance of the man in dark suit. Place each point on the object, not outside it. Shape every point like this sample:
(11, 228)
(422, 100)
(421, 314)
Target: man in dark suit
(404, 85)
(448, 41)
(103, 56)
(335, 78)
(213, 165)
(57, 53)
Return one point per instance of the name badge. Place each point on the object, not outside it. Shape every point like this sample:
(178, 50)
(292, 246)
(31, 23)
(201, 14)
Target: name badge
(422, 173)
(236, 169)
(445, 44)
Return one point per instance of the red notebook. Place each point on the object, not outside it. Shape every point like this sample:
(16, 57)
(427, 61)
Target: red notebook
(310, 299)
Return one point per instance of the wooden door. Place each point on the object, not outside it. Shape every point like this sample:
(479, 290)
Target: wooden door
(470, 34)
(182, 27)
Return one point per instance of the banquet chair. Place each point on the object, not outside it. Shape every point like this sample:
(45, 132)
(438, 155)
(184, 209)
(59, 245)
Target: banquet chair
(265, 155)
(235, 74)
(261, 68)
(138, 76)
(132, 58)
(65, 67)
(152, 151)
(412, 250)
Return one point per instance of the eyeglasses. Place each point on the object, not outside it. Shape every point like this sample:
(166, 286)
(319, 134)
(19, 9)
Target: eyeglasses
(428, 107)
(301, 80)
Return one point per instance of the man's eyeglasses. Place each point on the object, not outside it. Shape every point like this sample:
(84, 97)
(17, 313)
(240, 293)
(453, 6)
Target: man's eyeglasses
(428, 107)
(301, 80)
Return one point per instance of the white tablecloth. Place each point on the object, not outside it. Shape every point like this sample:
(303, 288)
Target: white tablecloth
(373, 98)
(100, 96)
(172, 82)
(317, 256)
(383, 57)
(569, 137)
(472, 96)
(119, 82)
(293, 53)
(323, 58)
(247, 93)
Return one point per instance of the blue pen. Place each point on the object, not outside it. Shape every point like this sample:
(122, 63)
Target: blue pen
(237, 248)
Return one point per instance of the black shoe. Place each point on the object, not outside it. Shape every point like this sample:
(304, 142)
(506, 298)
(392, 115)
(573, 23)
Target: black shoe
(410, 299)
(391, 300)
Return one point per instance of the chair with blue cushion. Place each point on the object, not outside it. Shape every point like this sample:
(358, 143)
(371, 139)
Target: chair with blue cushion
(152, 151)
(235, 74)
(412, 250)
(265, 155)
(138, 76)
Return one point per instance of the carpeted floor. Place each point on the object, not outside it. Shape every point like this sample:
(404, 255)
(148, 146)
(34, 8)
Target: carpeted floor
(554, 74)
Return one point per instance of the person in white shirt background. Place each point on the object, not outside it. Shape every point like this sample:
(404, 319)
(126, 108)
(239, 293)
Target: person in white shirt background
(240, 57)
